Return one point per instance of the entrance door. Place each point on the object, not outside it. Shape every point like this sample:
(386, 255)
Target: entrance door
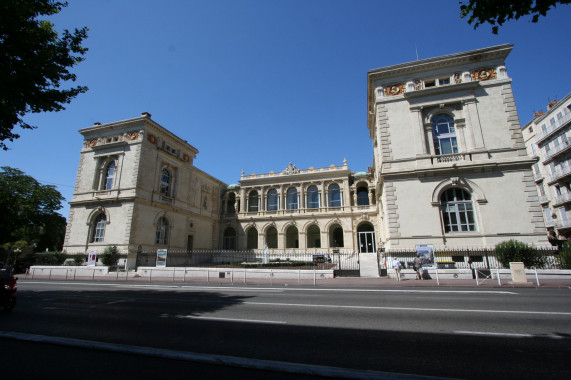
(367, 242)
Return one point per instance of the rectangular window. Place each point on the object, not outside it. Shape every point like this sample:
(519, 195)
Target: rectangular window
(443, 81)
(429, 83)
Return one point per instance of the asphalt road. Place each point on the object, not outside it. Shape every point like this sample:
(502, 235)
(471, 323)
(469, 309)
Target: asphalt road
(122, 330)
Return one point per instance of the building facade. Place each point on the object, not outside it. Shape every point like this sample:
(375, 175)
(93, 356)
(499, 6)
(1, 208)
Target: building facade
(450, 169)
(301, 209)
(548, 141)
(137, 189)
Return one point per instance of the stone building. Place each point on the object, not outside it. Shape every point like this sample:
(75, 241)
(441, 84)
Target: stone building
(301, 209)
(548, 140)
(451, 167)
(137, 188)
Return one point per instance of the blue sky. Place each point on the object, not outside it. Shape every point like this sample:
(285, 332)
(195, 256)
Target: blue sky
(257, 84)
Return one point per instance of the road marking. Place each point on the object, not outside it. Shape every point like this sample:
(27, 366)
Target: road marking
(232, 319)
(408, 308)
(510, 335)
(232, 361)
(288, 289)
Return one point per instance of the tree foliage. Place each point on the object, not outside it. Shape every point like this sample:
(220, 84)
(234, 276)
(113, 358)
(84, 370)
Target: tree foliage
(517, 251)
(29, 211)
(496, 12)
(34, 61)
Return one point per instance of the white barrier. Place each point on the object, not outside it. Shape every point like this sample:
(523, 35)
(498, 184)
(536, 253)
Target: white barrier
(233, 275)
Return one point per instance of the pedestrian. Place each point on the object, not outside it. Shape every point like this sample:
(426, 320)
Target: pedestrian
(397, 265)
(417, 262)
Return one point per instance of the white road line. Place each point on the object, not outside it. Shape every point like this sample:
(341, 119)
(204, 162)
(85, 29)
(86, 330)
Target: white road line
(408, 308)
(288, 289)
(233, 361)
(232, 319)
(509, 335)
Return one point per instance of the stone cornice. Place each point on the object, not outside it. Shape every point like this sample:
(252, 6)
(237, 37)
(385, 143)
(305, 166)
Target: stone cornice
(472, 56)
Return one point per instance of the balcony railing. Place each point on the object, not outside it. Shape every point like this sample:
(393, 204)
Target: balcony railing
(451, 157)
(553, 128)
(565, 223)
(561, 199)
(558, 149)
(559, 173)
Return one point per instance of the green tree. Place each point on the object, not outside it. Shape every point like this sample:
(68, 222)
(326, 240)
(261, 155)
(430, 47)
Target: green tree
(29, 211)
(517, 251)
(496, 12)
(34, 61)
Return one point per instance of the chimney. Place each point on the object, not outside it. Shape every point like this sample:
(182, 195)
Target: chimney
(537, 114)
(97, 123)
(146, 114)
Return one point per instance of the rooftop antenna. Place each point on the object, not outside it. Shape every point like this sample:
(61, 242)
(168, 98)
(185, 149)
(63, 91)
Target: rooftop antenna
(416, 49)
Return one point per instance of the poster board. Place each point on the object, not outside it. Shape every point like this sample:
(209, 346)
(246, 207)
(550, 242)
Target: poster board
(426, 254)
(161, 258)
(91, 258)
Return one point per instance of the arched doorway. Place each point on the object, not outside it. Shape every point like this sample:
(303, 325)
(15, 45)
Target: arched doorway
(313, 237)
(252, 238)
(366, 238)
(336, 236)
(292, 239)
(229, 239)
(272, 238)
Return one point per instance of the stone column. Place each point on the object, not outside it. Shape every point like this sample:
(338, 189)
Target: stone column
(419, 132)
(473, 126)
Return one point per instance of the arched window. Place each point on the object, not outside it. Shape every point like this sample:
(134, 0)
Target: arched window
(457, 210)
(272, 238)
(253, 201)
(229, 239)
(444, 134)
(162, 231)
(98, 234)
(334, 195)
(362, 196)
(230, 204)
(292, 203)
(109, 175)
(272, 200)
(252, 239)
(336, 236)
(312, 197)
(313, 237)
(165, 188)
(292, 238)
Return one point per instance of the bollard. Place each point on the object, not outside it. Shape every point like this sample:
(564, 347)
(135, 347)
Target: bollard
(476, 271)
(536, 277)
(437, 279)
(499, 280)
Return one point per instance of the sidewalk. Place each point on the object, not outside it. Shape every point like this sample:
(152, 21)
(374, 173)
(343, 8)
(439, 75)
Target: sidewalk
(337, 282)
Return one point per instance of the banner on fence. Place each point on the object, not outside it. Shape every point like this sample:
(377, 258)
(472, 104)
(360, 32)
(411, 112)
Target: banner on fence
(91, 258)
(161, 258)
(426, 254)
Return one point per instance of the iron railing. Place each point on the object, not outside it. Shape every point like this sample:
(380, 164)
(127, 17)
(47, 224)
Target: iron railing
(473, 258)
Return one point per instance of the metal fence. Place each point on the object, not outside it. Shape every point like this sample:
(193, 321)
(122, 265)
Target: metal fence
(475, 258)
(342, 262)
